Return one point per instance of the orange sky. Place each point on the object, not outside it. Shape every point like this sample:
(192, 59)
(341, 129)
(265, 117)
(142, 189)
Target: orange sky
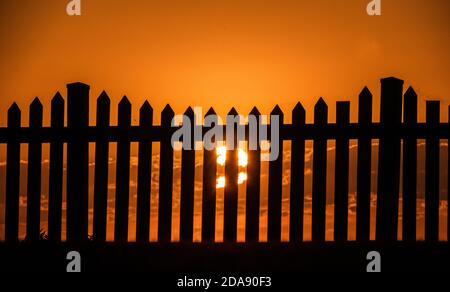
(223, 53)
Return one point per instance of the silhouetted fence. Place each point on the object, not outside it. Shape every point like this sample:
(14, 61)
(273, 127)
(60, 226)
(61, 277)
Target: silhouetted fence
(390, 131)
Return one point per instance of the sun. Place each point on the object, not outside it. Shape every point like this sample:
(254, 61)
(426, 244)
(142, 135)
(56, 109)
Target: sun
(242, 162)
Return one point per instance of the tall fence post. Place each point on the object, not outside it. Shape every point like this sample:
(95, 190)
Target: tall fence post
(409, 185)
(389, 159)
(55, 192)
(123, 172)
(209, 187)
(12, 177)
(364, 168)
(275, 184)
(34, 174)
(144, 176)
(319, 188)
(297, 191)
(187, 183)
(341, 172)
(432, 172)
(253, 195)
(77, 162)
(101, 168)
(231, 186)
(165, 177)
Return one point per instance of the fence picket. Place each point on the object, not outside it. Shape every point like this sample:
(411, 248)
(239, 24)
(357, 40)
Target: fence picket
(187, 184)
(144, 176)
(253, 199)
(275, 186)
(209, 188)
(165, 178)
(364, 168)
(34, 175)
(297, 191)
(12, 177)
(432, 173)
(319, 192)
(409, 168)
(123, 173)
(231, 188)
(101, 168)
(341, 174)
(55, 193)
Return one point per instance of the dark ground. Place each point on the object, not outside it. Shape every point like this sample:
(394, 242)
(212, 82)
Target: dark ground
(226, 258)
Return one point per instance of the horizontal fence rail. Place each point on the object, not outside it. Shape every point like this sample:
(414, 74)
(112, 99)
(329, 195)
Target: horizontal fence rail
(398, 129)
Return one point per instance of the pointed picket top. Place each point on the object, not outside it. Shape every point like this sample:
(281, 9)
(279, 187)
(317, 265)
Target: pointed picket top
(298, 108)
(365, 93)
(57, 111)
(167, 115)
(298, 114)
(36, 104)
(410, 93)
(124, 112)
(125, 102)
(103, 98)
(189, 113)
(35, 113)
(210, 112)
(321, 112)
(14, 109)
(167, 110)
(233, 112)
(321, 104)
(14, 115)
(57, 99)
(146, 114)
(255, 112)
(277, 111)
(146, 108)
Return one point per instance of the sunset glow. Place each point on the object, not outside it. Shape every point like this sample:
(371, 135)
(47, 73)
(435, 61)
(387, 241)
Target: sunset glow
(221, 152)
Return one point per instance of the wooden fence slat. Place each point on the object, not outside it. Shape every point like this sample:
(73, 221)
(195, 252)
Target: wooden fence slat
(448, 178)
(34, 175)
(389, 160)
(297, 191)
(409, 168)
(231, 188)
(341, 174)
(77, 162)
(187, 184)
(101, 169)
(209, 189)
(364, 168)
(275, 186)
(432, 173)
(12, 178)
(144, 176)
(253, 198)
(55, 191)
(319, 191)
(165, 178)
(123, 173)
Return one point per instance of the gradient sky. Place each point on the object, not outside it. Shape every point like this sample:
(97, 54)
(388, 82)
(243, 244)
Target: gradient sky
(223, 53)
